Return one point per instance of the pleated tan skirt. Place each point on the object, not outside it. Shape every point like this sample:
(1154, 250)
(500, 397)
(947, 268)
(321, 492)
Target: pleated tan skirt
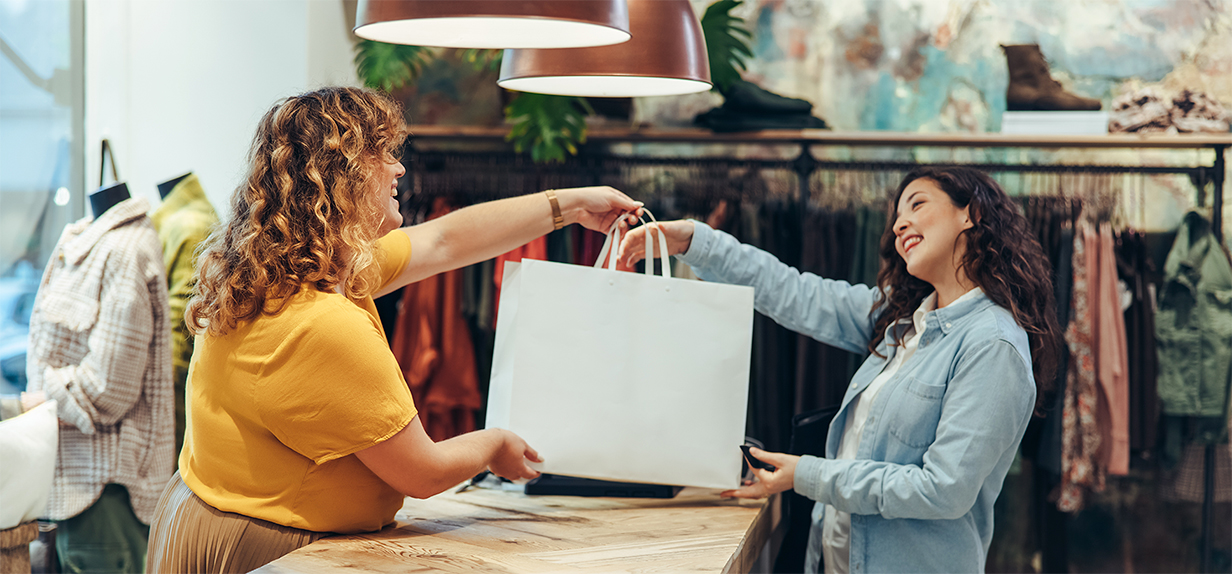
(189, 536)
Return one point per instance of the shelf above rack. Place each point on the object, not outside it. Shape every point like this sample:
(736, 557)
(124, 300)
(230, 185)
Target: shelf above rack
(850, 138)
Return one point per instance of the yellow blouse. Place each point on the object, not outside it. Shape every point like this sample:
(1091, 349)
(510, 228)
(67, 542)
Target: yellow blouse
(278, 406)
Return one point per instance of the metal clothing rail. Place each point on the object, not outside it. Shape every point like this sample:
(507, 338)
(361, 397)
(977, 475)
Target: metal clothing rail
(420, 150)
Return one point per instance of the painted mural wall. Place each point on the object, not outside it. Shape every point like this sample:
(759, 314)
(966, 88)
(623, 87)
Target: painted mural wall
(937, 65)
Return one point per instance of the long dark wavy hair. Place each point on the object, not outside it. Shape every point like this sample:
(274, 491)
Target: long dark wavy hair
(1002, 257)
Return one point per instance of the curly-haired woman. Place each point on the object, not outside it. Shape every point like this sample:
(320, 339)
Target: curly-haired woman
(963, 339)
(300, 423)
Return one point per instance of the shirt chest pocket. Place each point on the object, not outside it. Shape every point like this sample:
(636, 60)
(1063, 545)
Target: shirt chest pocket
(68, 317)
(914, 412)
(70, 310)
(63, 320)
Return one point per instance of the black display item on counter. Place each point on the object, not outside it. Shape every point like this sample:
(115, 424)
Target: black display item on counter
(554, 484)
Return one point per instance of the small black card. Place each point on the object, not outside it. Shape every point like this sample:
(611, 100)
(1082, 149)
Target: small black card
(754, 462)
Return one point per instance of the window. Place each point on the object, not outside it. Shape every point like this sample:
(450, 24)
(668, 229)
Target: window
(41, 160)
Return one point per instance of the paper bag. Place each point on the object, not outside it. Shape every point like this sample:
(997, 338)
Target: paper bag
(623, 376)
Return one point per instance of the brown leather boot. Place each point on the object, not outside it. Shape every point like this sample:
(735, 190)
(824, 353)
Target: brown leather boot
(1032, 87)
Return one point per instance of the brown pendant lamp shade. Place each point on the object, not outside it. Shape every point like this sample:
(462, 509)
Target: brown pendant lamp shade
(494, 23)
(666, 56)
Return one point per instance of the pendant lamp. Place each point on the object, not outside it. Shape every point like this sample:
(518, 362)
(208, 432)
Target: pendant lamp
(666, 56)
(494, 23)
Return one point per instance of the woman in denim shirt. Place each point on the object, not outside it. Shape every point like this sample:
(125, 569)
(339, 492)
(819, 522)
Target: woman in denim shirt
(963, 334)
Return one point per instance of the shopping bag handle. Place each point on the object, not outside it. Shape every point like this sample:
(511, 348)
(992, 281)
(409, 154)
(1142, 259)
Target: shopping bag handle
(612, 244)
(613, 238)
(663, 259)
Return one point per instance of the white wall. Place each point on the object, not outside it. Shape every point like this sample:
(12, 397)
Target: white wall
(179, 85)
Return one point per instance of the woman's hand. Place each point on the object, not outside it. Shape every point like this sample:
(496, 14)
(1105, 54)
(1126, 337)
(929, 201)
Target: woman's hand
(597, 208)
(32, 399)
(783, 478)
(510, 458)
(679, 236)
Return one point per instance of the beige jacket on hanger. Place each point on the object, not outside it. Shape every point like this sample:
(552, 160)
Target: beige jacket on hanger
(100, 346)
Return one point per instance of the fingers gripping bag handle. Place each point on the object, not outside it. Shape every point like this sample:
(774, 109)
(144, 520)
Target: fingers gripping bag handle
(612, 244)
(651, 228)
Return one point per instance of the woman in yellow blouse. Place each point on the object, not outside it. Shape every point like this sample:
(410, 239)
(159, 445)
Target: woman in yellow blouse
(300, 423)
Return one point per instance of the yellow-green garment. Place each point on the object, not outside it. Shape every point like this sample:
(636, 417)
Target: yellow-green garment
(183, 221)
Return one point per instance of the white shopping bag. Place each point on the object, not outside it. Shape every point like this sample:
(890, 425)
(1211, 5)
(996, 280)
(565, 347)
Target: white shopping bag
(623, 376)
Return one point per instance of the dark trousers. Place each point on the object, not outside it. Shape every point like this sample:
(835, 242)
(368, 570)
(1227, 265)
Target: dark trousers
(106, 537)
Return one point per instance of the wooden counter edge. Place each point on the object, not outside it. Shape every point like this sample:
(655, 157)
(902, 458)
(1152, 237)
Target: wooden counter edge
(768, 526)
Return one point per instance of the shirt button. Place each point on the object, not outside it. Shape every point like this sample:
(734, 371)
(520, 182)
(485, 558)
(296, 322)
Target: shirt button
(948, 325)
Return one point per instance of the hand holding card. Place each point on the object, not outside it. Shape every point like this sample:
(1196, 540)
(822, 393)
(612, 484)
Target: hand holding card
(754, 462)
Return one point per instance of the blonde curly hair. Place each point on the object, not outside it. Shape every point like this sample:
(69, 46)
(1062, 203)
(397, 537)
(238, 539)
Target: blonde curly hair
(306, 214)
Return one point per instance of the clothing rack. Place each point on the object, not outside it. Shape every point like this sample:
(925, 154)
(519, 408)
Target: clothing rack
(597, 160)
(422, 151)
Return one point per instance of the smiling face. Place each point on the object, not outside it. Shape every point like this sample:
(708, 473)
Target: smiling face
(385, 186)
(926, 232)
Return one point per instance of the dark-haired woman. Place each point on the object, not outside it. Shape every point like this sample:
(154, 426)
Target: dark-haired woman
(963, 336)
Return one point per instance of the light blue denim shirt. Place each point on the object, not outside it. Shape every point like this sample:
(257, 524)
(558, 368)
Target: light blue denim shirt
(941, 434)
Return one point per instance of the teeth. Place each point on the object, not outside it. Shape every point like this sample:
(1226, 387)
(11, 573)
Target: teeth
(908, 244)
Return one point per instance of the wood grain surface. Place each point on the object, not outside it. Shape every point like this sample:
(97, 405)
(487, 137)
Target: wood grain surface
(496, 531)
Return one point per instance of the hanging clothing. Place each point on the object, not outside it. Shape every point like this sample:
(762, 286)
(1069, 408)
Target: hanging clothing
(1111, 364)
(590, 243)
(822, 371)
(1049, 455)
(771, 389)
(866, 258)
(184, 221)
(1188, 481)
(560, 246)
(1194, 324)
(433, 345)
(866, 263)
(1080, 442)
(1135, 268)
(100, 346)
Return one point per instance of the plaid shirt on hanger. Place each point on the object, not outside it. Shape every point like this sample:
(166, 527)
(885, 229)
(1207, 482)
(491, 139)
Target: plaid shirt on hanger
(100, 346)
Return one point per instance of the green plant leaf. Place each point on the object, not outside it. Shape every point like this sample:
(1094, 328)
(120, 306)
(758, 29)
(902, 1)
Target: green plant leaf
(389, 66)
(549, 126)
(727, 43)
(483, 59)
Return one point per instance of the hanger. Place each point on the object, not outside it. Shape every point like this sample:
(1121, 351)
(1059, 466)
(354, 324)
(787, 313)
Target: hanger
(165, 187)
(106, 197)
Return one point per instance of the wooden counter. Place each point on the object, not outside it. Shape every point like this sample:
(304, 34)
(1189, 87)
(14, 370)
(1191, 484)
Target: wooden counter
(496, 531)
